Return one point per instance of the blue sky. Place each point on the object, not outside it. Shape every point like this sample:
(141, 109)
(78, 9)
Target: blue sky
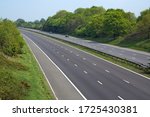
(31, 10)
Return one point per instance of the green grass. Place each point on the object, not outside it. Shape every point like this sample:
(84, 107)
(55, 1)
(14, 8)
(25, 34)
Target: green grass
(133, 43)
(21, 78)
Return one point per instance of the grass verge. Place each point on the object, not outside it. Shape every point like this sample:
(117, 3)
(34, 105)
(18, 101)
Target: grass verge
(22, 78)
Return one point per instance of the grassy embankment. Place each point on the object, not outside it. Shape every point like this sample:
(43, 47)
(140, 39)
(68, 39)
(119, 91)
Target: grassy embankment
(133, 43)
(20, 75)
(21, 78)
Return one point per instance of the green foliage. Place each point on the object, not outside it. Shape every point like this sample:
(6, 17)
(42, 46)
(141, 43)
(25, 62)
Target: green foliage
(116, 23)
(35, 25)
(11, 42)
(92, 22)
(11, 87)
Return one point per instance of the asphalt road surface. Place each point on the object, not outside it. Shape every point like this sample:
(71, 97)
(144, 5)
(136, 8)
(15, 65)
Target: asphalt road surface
(139, 57)
(95, 78)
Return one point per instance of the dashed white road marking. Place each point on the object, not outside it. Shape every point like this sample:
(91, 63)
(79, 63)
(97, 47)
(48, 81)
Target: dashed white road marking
(70, 51)
(107, 71)
(100, 82)
(62, 55)
(120, 98)
(126, 81)
(67, 59)
(85, 72)
(75, 65)
(84, 58)
(94, 64)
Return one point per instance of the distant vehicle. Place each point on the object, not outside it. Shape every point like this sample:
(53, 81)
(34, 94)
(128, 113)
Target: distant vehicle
(66, 35)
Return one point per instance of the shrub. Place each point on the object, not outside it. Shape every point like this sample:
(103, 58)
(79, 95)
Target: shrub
(11, 42)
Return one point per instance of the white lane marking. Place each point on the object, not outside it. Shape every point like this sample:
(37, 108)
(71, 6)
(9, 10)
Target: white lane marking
(75, 65)
(84, 58)
(120, 98)
(85, 72)
(126, 81)
(70, 51)
(100, 82)
(62, 55)
(41, 68)
(94, 64)
(67, 59)
(107, 71)
(59, 70)
(77, 55)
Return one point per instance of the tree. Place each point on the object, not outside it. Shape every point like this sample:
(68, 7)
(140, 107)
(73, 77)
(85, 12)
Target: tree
(116, 23)
(143, 23)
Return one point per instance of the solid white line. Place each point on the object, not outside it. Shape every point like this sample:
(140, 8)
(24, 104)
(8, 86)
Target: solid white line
(42, 70)
(94, 64)
(107, 71)
(100, 82)
(84, 58)
(85, 72)
(126, 81)
(120, 98)
(75, 65)
(61, 72)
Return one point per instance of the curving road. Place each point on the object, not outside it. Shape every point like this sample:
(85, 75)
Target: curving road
(96, 79)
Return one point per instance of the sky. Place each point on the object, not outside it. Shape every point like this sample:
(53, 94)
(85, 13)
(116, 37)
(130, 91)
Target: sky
(31, 10)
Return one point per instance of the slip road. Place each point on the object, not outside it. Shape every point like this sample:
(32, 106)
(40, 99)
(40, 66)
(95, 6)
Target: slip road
(92, 78)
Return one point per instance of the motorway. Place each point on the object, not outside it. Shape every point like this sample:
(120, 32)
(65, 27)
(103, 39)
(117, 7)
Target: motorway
(94, 78)
(138, 57)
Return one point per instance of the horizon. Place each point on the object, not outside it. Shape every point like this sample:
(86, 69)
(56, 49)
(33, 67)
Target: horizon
(31, 10)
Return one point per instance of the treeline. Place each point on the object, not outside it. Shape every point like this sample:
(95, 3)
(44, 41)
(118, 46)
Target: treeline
(95, 22)
(37, 24)
(92, 22)
(11, 42)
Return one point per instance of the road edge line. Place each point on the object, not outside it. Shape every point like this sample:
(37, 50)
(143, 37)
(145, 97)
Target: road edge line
(41, 69)
(60, 71)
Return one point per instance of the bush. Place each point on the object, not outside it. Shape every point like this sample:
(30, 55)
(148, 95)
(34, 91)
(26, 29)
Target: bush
(11, 42)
